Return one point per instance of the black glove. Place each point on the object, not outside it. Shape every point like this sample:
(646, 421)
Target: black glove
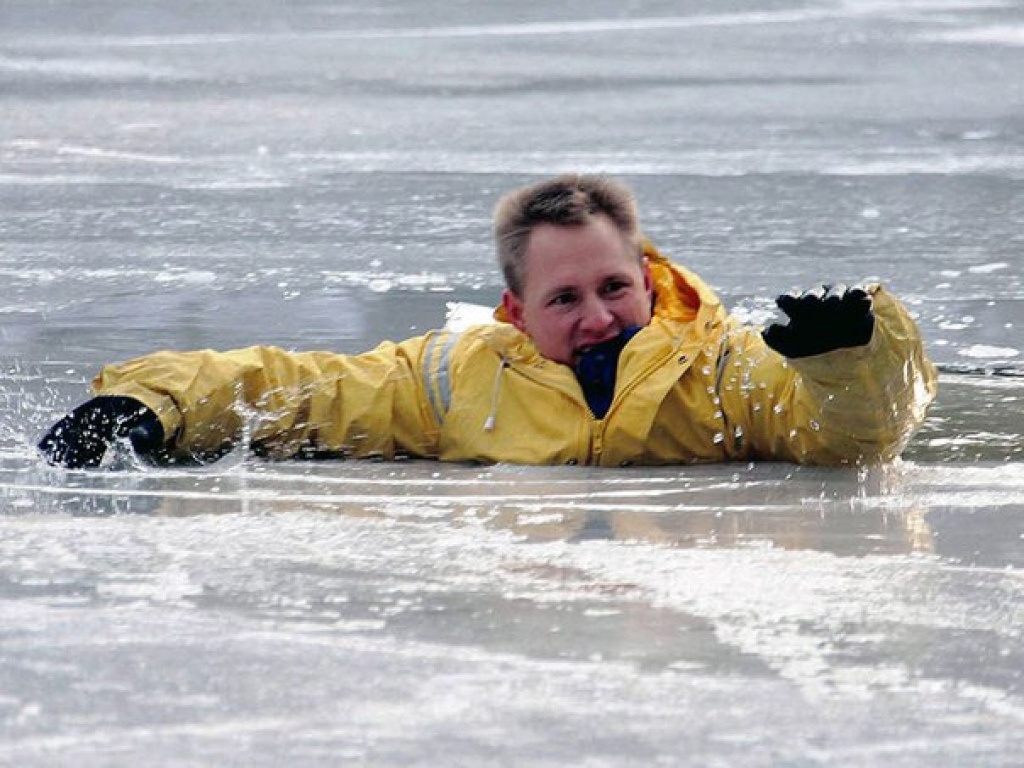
(821, 320)
(82, 438)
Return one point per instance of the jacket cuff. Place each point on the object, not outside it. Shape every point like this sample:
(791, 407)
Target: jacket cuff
(163, 406)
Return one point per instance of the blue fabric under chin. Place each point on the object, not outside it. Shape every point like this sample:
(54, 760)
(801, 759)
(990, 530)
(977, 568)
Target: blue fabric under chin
(595, 371)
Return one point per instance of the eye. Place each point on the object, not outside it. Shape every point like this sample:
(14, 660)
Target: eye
(615, 287)
(562, 299)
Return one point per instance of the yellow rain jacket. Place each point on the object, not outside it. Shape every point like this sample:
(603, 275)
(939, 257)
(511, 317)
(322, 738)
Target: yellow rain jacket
(694, 385)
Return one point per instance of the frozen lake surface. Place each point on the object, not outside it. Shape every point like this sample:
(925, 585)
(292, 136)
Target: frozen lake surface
(321, 175)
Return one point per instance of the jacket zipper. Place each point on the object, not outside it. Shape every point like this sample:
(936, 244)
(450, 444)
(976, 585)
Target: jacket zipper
(597, 426)
(596, 441)
(642, 376)
(595, 437)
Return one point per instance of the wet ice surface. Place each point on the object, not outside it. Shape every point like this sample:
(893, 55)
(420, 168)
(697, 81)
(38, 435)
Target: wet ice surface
(409, 614)
(321, 176)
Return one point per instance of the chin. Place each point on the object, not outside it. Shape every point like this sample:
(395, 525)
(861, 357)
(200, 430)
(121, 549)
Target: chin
(566, 358)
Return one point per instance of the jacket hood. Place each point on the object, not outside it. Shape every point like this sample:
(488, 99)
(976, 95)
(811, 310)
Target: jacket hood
(679, 294)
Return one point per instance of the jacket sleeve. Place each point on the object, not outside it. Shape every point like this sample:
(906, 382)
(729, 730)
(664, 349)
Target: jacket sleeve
(856, 405)
(284, 403)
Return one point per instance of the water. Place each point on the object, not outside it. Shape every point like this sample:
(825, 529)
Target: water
(320, 175)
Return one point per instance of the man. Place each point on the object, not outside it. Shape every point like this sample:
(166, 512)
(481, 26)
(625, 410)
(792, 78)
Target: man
(603, 353)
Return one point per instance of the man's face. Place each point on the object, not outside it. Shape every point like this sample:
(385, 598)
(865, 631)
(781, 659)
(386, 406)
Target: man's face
(583, 285)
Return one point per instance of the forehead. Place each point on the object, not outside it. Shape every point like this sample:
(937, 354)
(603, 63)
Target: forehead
(577, 250)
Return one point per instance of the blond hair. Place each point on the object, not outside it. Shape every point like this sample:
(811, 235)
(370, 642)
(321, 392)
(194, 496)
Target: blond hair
(569, 200)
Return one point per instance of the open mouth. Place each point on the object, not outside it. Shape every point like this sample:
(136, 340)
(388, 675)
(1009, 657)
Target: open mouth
(611, 346)
(586, 349)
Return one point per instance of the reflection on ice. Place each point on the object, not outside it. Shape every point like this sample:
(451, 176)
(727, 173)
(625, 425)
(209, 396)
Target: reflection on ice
(884, 510)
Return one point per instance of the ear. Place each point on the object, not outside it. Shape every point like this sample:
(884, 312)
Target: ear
(645, 266)
(513, 307)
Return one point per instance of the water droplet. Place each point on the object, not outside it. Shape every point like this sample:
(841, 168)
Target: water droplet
(777, 408)
(815, 425)
(718, 438)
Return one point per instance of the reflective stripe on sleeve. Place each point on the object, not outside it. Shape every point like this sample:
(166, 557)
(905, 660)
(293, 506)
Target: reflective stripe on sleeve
(437, 372)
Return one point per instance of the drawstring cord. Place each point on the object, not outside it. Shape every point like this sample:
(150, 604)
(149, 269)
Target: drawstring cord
(495, 394)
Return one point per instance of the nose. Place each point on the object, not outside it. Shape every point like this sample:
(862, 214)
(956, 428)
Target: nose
(596, 318)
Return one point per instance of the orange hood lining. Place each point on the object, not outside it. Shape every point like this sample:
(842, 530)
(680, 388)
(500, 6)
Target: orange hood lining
(674, 296)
